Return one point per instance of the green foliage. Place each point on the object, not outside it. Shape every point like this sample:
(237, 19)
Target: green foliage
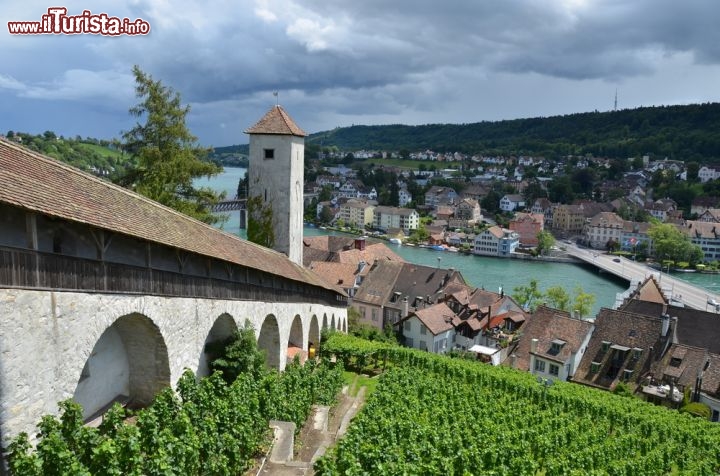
(677, 132)
(100, 157)
(697, 409)
(166, 154)
(583, 302)
(207, 427)
(670, 243)
(260, 222)
(558, 298)
(545, 242)
(526, 429)
(622, 389)
(528, 296)
(237, 355)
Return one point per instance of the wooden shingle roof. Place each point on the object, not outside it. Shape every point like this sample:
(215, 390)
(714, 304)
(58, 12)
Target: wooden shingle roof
(276, 121)
(34, 182)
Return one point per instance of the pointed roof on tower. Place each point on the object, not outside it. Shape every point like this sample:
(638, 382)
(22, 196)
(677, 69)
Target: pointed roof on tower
(276, 121)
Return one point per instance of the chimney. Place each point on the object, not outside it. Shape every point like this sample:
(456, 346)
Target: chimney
(513, 361)
(533, 345)
(405, 307)
(360, 244)
(361, 266)
(665, 324)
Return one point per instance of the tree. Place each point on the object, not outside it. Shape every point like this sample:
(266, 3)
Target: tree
(260, 228)
(583, 302)
(527, 296)
(692, 171)
(545, 242)
(167, 156)
(670, 243)
(558, 297)
(236, 355)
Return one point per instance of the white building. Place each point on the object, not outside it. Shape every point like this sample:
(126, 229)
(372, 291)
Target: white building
(496, 241)
(431, 329)
(393, 217)
(512, 202)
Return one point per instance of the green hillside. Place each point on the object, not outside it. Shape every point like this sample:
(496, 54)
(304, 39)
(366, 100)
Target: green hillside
(690, 132)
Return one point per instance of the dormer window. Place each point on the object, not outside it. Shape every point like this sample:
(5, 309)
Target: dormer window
(556, 345)
(675, 362)
(606, 345)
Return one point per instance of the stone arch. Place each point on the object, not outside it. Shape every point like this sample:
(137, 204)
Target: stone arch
(313, 333)
(296, 333)
(332, 322)
(269, 341)
(129, 362)
(325, 321)
(223, 328)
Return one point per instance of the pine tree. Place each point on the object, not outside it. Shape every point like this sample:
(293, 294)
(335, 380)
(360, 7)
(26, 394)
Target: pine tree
(167, 156)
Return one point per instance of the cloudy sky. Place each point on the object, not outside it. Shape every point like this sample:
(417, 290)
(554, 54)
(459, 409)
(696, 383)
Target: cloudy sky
(343, 62)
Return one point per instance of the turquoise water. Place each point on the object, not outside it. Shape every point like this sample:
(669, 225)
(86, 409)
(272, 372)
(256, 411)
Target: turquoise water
(490, 273)
(227, 182)
(496, 273)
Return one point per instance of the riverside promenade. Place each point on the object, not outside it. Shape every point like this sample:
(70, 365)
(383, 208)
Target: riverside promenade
(676, 290)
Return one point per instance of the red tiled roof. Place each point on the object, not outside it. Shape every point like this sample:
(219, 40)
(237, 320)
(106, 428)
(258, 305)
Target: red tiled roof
(44, 185)
(276, 121)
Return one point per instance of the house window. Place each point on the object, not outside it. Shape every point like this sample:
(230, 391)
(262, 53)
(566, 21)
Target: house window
(637, 353)
(408, 342)
(423, 330)
(539, 365)
(605, 345)
(362, 312)
(594, 367)
(268, 154)
(715, 415)
(374, 314)
(627, 374)
(408, 328)
(554, 370)
(675, 362)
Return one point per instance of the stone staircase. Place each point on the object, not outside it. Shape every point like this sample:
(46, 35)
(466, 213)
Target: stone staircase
(322, 429)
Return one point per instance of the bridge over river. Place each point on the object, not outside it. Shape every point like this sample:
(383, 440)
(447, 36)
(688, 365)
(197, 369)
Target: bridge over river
(675, 289)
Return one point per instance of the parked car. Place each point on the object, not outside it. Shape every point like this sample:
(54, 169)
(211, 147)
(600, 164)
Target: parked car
(617, 260)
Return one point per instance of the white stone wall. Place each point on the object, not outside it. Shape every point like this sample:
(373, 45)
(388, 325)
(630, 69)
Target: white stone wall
(46, 338)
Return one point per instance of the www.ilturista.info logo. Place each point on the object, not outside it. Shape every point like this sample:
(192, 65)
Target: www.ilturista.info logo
(58, 22)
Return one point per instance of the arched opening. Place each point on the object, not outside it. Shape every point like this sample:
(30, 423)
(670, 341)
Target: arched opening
(223, 328)
(313, 334)
(332, 322)
(325, 322)
(296, 341)
(344, 325)
(269, 341)
(129, 364)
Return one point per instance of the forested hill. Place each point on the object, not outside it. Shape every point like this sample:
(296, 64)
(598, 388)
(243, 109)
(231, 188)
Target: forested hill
(690, 132)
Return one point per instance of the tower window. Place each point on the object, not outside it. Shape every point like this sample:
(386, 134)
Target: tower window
(268, 153)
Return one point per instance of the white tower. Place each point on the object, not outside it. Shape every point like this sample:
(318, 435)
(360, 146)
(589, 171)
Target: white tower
(275, 173)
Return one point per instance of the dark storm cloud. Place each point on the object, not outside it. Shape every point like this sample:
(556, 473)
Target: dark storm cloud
(346, 61)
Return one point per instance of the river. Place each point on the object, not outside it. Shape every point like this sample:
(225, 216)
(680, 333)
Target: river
(490, 273)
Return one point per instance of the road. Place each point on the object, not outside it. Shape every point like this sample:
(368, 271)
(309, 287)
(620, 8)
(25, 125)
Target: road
(689, 295)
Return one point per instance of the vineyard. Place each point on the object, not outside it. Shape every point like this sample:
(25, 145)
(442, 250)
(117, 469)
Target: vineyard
(435, 415)
(205, 428)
